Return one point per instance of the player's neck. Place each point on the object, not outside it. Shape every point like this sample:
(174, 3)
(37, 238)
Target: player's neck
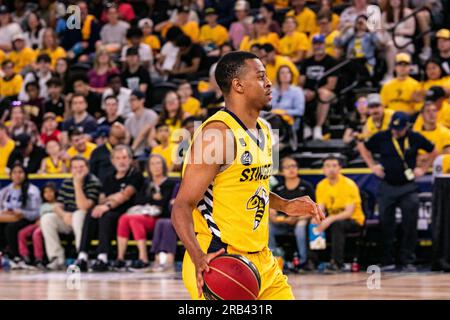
(246, 115)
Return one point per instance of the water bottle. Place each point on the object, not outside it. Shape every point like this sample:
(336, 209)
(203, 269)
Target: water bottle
(355, 265)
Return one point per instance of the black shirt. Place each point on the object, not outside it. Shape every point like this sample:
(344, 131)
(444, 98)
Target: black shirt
(94, 102)
(381, 143)
(113, 185)
(32, 163)
(100, 162)
(104, 121)
(56, 107)
(313, 70)
(304, 188)
(166, 190)
(132, 80)
(66, 192)
(88, 125)
(195, 51)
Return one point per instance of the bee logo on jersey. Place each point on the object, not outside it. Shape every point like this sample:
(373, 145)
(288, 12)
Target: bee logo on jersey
(258, 202)
(246, 158)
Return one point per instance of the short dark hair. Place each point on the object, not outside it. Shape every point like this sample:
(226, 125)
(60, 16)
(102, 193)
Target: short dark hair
(54, 82)
(284, 159)
(229, 67)
(44, 57)
(267, 47)
(426, 105)
(77, 95)
(134, 32)
(332, 157)
(80, 77)
(50, 185)
(161, 124)
(31, 84)
(111, 97)
(324, 14)
(183, 41)
(76, 132)
(7, 61)
(79, 158)
(113, 76)
(173, 33)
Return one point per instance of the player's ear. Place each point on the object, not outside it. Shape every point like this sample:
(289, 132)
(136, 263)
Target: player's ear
(237, 85)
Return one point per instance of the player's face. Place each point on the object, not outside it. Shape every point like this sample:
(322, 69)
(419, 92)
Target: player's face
(331, 168)
(258, 88)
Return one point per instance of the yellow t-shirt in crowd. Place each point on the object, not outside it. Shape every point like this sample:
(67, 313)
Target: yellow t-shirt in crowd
(329, 42)
(271, 38)
(440, 137)
(217, 35)
(291, 44)
(22, 58)
(442, 82)
(168, 153)
(72, 152)
(152, 41)
(5, 151)
(279, 4)
(54, 55)
(11, 87)
(306, 20)
(53, 168)
(442, 118)
(370, 128)
(336, 197)
(280, 61)
(397, 95)
(191, 106)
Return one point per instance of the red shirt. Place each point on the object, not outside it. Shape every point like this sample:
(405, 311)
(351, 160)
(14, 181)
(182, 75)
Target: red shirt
(48, 137)
(126, 13)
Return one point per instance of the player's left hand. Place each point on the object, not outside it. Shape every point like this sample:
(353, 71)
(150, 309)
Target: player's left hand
(304, 206)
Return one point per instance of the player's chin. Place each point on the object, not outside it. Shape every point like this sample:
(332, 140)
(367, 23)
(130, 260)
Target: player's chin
(267, 107)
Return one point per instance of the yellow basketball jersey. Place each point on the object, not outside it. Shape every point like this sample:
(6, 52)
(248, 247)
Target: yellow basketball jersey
(235, 207)
(51, 167)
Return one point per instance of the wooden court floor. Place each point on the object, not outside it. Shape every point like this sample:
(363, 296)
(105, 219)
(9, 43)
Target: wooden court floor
(131, 286)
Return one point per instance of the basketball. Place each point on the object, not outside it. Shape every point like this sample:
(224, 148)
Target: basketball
(231, 277)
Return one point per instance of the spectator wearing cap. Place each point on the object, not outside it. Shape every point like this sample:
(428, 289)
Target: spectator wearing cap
(135, 76)
(135, 36)
(112, 115)
(80, 119)
(379, 116)
(22, 56)
(54, 163)
(121, 93)
(274, 62)
(294, 44)
(49, 130)
(319, 88)
(212, 34)
(26, 153)
(6, 147)
(140, 123)
(438, 97)
(54, 102)
(93, 99)
(403, 92)
(146, 25)
(192, 61)
(41, 74)
(8, 28)
(51, 47)
(79, 146)
(11, 82)
(19, 122)
(443, 48)
(103, 67)
(306, 18)
(267, 11)
(398, 148)
(325, 28)
(113, 34)
(125, 11)
(262, 35)
(435, 75)
(243, 26)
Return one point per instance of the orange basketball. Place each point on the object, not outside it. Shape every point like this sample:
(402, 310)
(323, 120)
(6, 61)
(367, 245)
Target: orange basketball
(231, 277)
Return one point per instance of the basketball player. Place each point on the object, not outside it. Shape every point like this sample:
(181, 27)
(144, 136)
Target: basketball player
(224, 198)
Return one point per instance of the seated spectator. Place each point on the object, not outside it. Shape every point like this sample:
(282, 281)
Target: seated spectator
(240, 28)
(6, 148)
(80, 119)
(327, 6)
(438, 97)
(19, 207)
(122, 95)
(189, 104)
(157, 194)
(21, 55)
(20, 12)
(77, 196)
(100, 161)
(8, 28)
(402, 92)
(119, 194)
(93, 99)
(267, 11)
(102, 69)
(294, 44)
(169, 52)
(141, 123)
(135, 76)
(149, 38)
(192, 61)
(172, 113)
(262, 35)
(54, 162)
(34, 106)
(443, 49)
(165, 148)
(212, 34)
(10, 82)
(190, 27)
(19, 122)
(306, 18)
(34, 231)
(356, 122)
(62, 73)
(54, 103)
(134, 36)
(434, 76)
(49, 129)
(41, 74)
(319, 89)
(26, 153)
(34, 31)
(187, 132)
(379, 117)
(113, 33)
(125, 11)
(111, 113)
(80, 146)
(280, 224)
(51, 47)
(349, 15)
(274, 62)
(339, 197)
(326, 29)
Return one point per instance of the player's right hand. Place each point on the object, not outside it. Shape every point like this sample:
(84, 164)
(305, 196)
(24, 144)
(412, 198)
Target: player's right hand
(201, 265)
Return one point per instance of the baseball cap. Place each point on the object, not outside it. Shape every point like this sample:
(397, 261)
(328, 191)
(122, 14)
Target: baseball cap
(373, 99)
(4, 9)
(22, 140)
(443, 34)
(241, 5)
(318, 38)
(132, 52)
(399, 120)
(18, 36)
(210, 10)
(434, 93)
(138, 94)
(146, 21)
(403, 58)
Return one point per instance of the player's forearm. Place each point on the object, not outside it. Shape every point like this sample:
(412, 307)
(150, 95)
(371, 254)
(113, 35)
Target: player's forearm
(276, 202)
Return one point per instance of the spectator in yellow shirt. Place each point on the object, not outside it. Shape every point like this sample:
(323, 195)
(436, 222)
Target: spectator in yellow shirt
(50, 46)
(165, 148)
(403, 92)
(22, 56)
(339, 196)
(189, 104)
(80, 146)
(325, 28)
(274, 62)
(212, 34)
(11, 82)
(435, 76)
(379, 117)
(7, 145)
(190, 28)
(267, 11)
(146, 25)
(326, 6)
(294, 44)
(438, 97)
(306, 18)
(262, 35)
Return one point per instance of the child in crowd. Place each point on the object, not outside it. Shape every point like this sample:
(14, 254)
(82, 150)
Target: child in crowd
(49, 129)
(165, 148)
(189, 104)
(53, 164)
